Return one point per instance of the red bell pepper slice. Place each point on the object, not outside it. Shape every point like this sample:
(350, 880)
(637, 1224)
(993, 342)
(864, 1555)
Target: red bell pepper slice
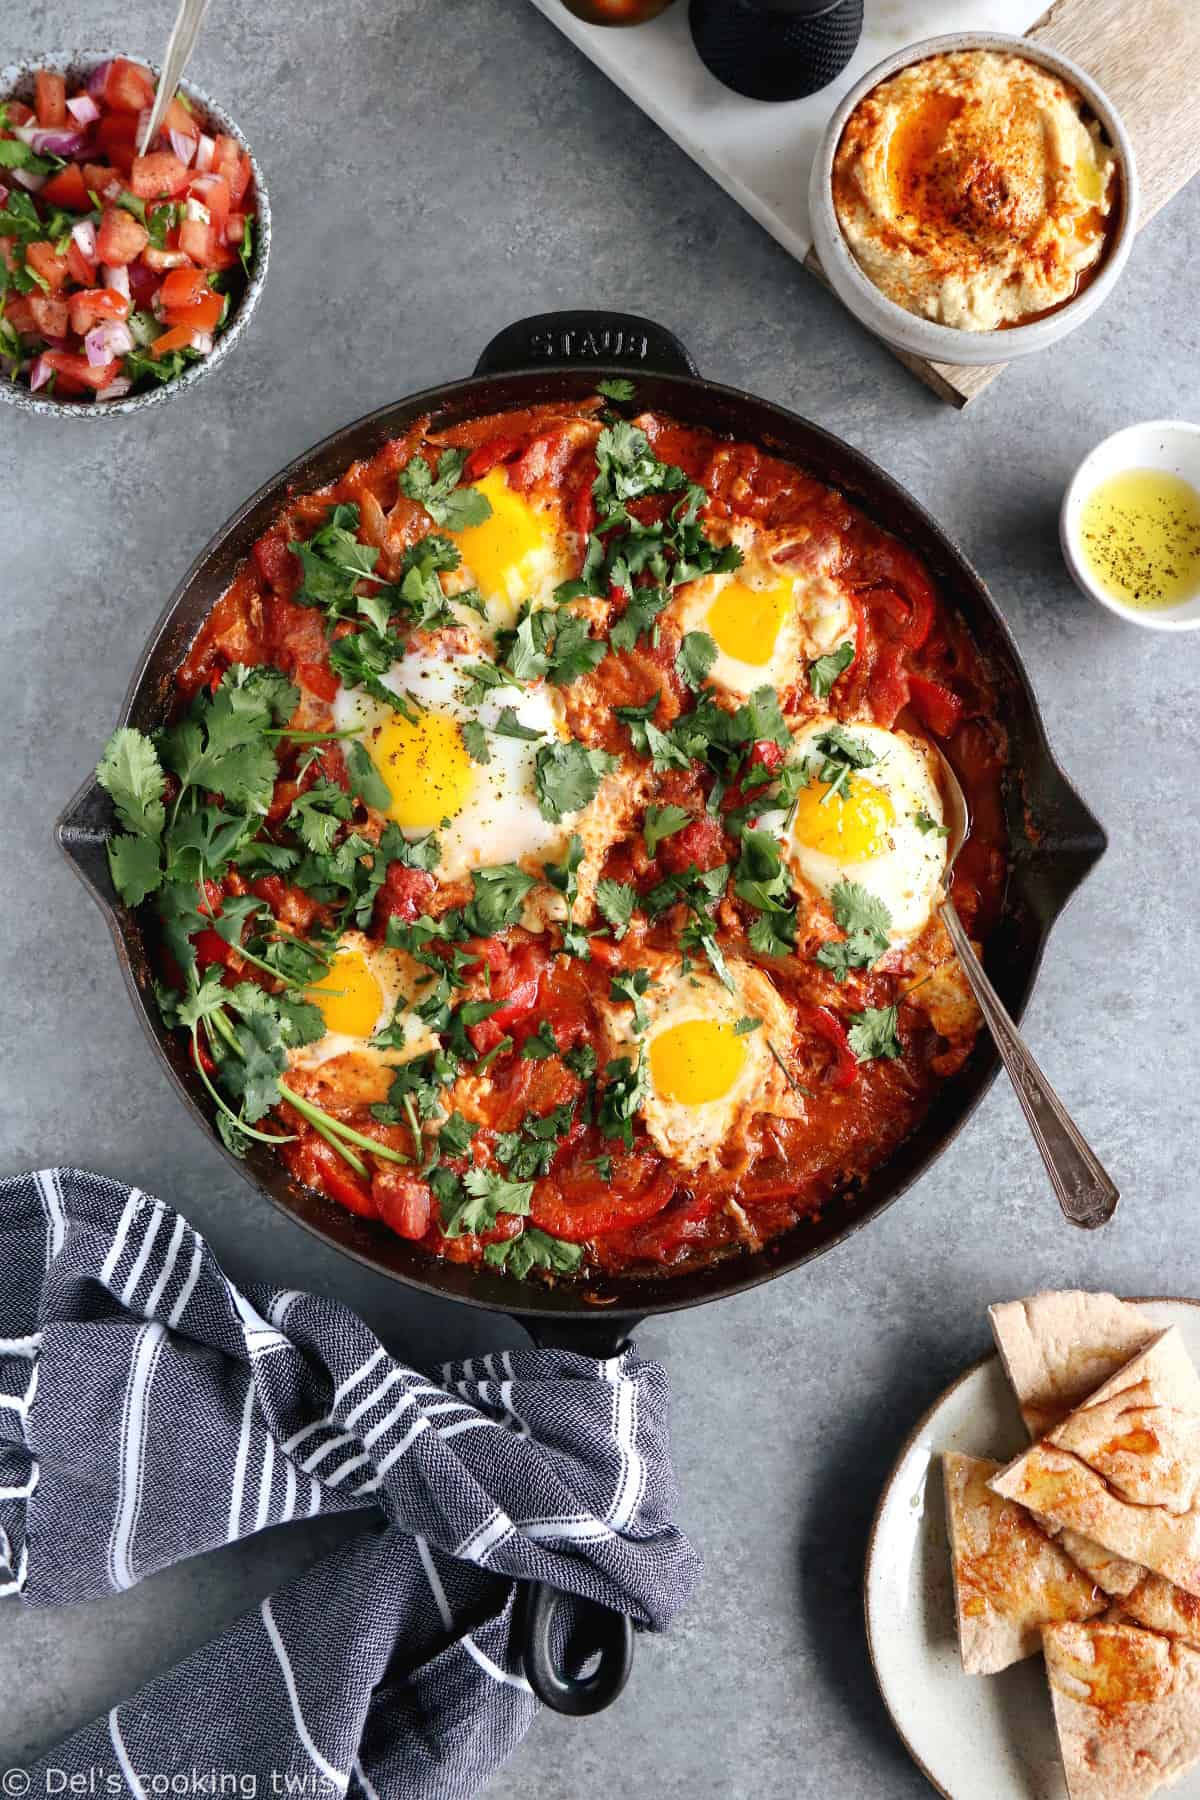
(936, 705)
(829, 1028)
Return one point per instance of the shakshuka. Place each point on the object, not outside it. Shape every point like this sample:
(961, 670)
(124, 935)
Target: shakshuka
(545, 849)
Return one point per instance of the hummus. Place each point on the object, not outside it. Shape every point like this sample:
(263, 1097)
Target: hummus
(972, 191)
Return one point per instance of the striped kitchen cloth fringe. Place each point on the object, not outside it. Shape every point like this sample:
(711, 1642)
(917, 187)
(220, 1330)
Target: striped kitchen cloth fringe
(150, 1411)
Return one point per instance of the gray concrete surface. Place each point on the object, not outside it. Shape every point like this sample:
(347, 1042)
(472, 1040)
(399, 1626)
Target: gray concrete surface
(440, 167)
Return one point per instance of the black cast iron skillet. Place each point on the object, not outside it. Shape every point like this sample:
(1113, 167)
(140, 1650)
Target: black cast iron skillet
(1054, 837)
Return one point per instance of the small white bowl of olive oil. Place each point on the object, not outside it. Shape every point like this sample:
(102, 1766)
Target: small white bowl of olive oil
(1130, 524)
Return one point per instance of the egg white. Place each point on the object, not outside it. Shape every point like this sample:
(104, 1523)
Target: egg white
(906, 872)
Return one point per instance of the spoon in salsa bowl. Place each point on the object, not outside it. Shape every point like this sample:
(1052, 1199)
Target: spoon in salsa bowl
(1085, 1191)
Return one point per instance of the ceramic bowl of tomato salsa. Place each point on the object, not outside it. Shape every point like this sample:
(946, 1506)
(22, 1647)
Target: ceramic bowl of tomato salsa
(153, 281)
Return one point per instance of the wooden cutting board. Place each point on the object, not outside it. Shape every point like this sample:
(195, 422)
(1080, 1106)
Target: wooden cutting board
(1145, 54)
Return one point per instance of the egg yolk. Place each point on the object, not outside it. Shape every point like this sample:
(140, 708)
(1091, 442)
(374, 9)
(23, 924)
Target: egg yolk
(348, 996)
(498, 551)
(746, 621)
(696, 1061)
(851, 828)
(425, 767)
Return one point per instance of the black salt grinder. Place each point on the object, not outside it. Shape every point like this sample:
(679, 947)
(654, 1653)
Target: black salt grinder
(776, 49)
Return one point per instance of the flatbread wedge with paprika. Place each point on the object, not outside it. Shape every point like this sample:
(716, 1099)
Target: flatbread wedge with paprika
(1124, 1468)
(1126, 1708)
(1010, 1579)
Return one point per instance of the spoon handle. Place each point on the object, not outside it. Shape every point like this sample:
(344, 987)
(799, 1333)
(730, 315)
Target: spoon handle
(180, 45)
(1086, 1194)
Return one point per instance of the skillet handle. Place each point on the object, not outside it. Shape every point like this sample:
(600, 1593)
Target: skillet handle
(607, 339)
(82, 831)
(599, 1630)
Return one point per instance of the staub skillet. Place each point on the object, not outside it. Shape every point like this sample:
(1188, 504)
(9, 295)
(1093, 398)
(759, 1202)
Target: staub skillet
(1055, 841)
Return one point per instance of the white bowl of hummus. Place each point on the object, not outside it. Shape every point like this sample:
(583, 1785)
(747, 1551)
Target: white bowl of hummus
(974, 198)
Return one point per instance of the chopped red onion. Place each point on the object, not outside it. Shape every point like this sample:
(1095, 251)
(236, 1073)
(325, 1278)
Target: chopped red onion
(39, 374)
(116, 277)
(115, 389)
(104, 341)
(3, 195)
(51, 140)
(84, 235)
(183, 145)
(27, 179)
(202, 341)
(206, 150)
(83, 109)
(97, 79)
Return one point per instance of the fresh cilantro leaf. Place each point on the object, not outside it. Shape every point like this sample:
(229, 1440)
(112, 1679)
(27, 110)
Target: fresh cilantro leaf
(525, 657)
(16, 154)
(615, 387)
(628, 468)
(873, 1033)
(475, 738)
(695, 657)
(425, 603)
(581, 1061)
(133, 863)
(246, 247)
(488, 1195)
(449, 505)
(630, 985)
(645, 604)
(567, 777)
(534, 1249)
(616, 901)
(745, 1025)
(573, 651)
(924, 822)
(662, 822)
(626, 1085)
(129, 770)
(865, 920)
(824, 671)
(499, 896)
(541, 1044)
(361, 658)
(220, 745)
(317, 815)
(761, 879)
(455, 1134)
(508, 725)
(365, 779)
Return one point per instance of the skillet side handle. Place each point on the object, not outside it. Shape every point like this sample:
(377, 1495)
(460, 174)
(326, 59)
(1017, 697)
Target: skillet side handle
(600, 1632)
(606, 339)
(82, 831)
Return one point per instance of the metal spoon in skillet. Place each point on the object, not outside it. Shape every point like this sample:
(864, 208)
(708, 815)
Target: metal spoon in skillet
(1085, 1192)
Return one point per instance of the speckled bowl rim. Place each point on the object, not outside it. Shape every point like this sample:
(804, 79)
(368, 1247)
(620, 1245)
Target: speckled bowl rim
(76, 65)
(946, 343)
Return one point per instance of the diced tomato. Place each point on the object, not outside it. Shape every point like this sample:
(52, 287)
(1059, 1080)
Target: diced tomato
(78, 369)
(578, 1203)
(231, 162)
(768, 755)
(116, 138)
(19, 313)
(485, 456)
(68, 189)
(50, 314)
(829, 1028)
(404, 895)
(212, 950)
(179, 337)
(202, 1059)
(183, 287)
(159, 176)
(235, 228)
(583, 510)
(50, 98)
(121, 238)
(93, 304)
(702, 843)
(275, 562)
(178, 118)
(97, 177)
(204, 316)
(322, 1168)
(128, 87)
(19, 113)
(888, 690)
(197, 241)
(79, 269)
(45, 261)
(936, 705)
(402, 1200)
(212, 191)
(318, 680)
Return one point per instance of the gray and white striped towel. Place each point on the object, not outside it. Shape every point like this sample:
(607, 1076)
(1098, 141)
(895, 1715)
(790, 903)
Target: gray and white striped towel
(150, 1411)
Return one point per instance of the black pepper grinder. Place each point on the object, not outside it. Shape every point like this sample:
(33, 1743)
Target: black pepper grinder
(776, 49)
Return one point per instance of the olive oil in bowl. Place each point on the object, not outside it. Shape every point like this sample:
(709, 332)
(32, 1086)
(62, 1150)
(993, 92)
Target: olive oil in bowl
(1139, 537)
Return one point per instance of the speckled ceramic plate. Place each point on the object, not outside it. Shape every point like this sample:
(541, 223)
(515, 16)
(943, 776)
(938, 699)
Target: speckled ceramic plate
(976, 1737)
(16, 83)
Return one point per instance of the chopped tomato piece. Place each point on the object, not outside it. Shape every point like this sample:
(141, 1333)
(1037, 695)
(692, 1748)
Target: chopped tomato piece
(116, 138)
(936, 705)
(403, 896)
(485, 456)
(79, 269)
(68, 189)
(121, 238)
(768, 755)
(211, 949)
(888, 691)
(321, 1167)
(19, 113)
(183, 287)
(231, 162)
(45, 261)
(50, 314)
(203, 316)
(212, 191)
(179, 337)
(275, 562)
(579, 1202)
(402, 1200)
(94, 304)
(158, 176)
(197, 241)
(178, 118)
(583, 510)
(50, 98)
(128, 87)
(318, 680)
(19, 313)
(97, 177)
(78, 369)
(702, 842)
